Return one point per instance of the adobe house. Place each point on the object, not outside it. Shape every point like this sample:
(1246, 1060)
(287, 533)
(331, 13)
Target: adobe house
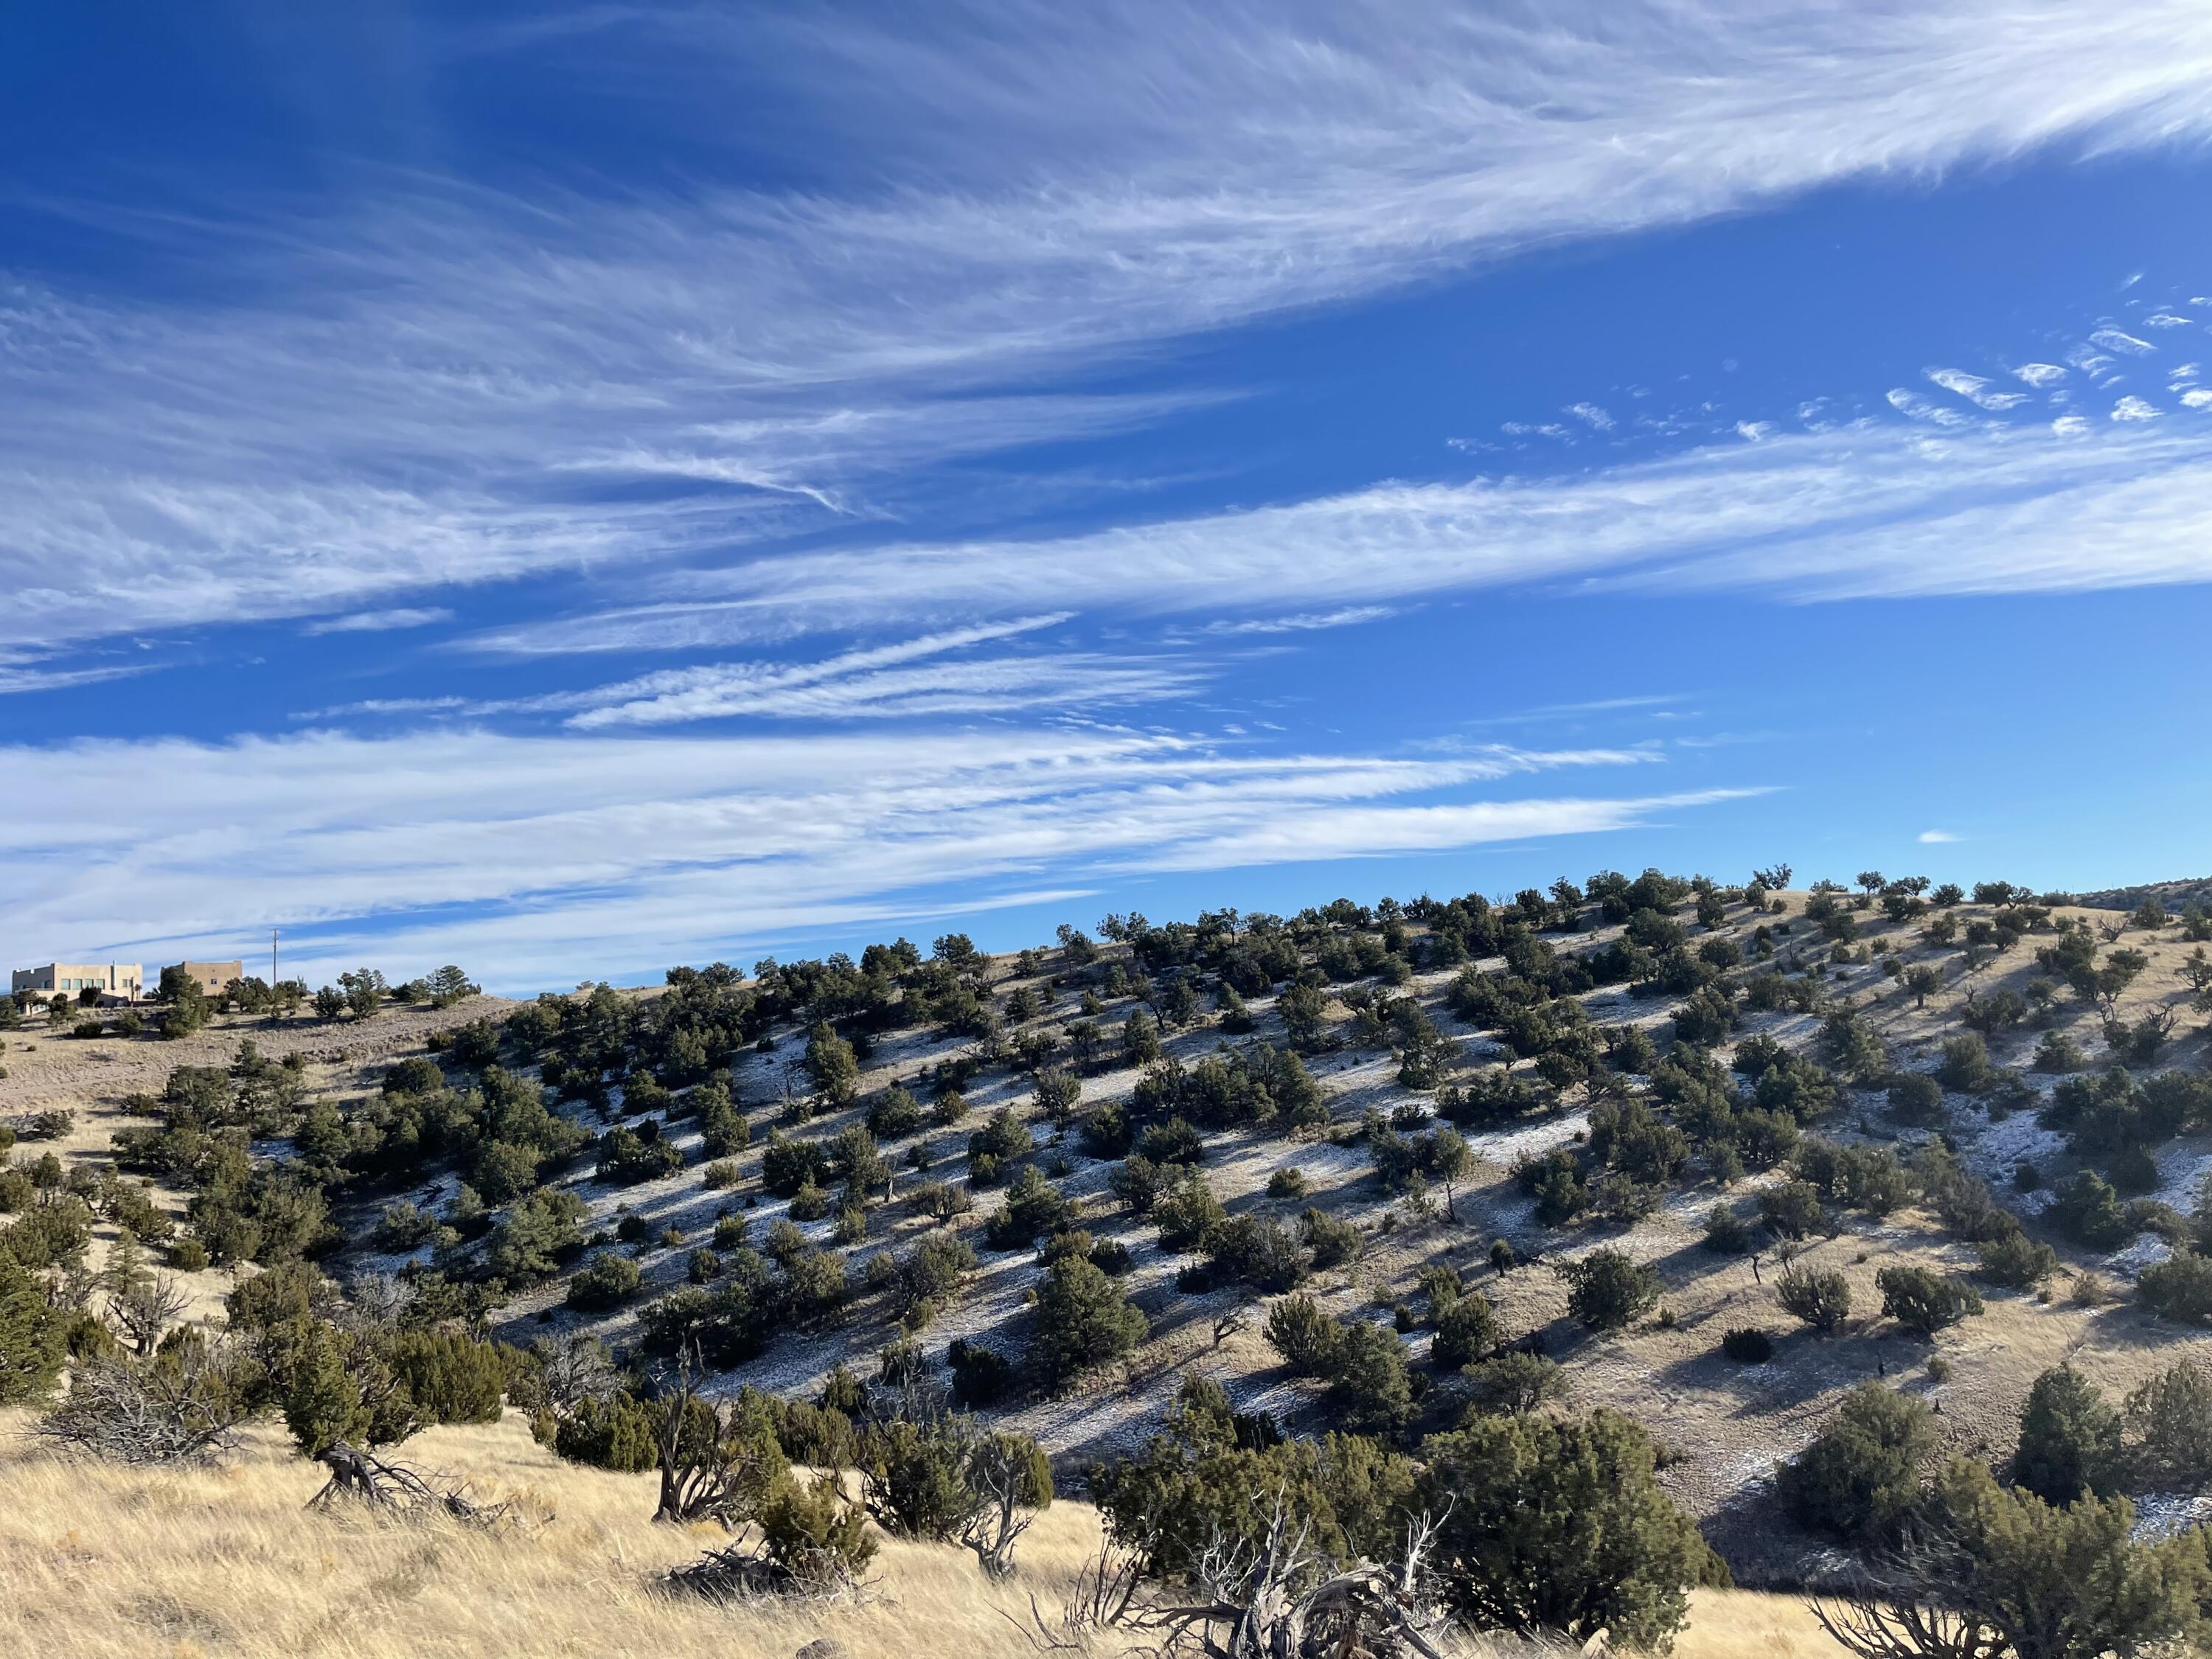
(212, 976)
(124, 982)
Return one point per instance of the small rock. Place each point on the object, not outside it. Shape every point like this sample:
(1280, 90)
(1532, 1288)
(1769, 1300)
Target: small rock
(824, 1647)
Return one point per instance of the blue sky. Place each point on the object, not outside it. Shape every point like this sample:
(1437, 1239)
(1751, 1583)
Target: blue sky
(570, 490)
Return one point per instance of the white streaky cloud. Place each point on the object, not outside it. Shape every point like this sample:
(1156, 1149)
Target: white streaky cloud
(2197, 398)
(1755, 431)
(1350, 615)
(2134, 409)
(14, 679)
(379, 622)
(2040, 375)
(2167, 320)
(986, 686)
(1598, 419)
(1975, 389)
(1935, 837)
(1957, 380)
(935, 675)
(620, 854)
(1862, 512)
(1911, 405)
(2113, 339)
(386, 707)
(434, 376)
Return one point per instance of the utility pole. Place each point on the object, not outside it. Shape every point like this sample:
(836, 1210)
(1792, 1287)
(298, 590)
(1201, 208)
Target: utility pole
(272, 975)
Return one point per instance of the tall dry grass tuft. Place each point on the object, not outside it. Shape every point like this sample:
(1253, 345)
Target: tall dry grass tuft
(98, 1561)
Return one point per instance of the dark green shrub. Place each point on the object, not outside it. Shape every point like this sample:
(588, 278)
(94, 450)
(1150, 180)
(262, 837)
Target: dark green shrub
(1033, 1206)
(2017, 1261)
(2179, 1287)
(2087, 1211)
(1915, 1099)
(893, 1114)
(617, 1432)
(1175, 1141)
(1308, 1338)
(1726, 1233)
(1559, 1526)
(33, 1336)
(1188, 1213)
(452, 1377)
(1746, 1345)
(1467, 1331)
(1083, 1318)
(1859, 1480)
(1966, 1064)
(1819, 1296)
(1370, 1388)
(604, 1283)
(812, 1534)
(1255, 1250)
(1607, 1290)
(1514, 1381)
(1923, 1301)
(1792, 1209)
(1332, 1243)
(2168, 1427)
(1004, 1138)
(2069, 1440)
(980, 1376)
(625, 1157)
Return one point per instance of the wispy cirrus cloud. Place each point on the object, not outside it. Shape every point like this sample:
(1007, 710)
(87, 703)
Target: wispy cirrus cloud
(956, 671)
(1861, 513)
(535, 859)
(1349, 616)
(442, 385)
(379, 622)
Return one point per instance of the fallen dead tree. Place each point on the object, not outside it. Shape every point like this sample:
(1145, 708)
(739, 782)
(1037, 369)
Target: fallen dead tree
(395, 1490)
(1278, 1601)
(179, 1408)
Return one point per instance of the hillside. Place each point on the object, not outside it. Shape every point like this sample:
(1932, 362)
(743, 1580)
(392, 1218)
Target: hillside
(202, 1564)
(1580, 1043)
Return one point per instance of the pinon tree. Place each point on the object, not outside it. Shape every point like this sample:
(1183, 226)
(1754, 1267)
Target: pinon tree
(34, 1335)
(1559, 1525)
(1083, 1318)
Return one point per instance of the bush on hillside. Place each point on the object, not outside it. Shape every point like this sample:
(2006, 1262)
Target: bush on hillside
(1083, 1318)
(2069, 1440)
(1819, 1296)
(1608, 1290)
(1925, 1302)
(1859, 1480)
(1558, 1526)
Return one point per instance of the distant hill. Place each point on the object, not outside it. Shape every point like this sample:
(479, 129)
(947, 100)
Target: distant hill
(2173, 895)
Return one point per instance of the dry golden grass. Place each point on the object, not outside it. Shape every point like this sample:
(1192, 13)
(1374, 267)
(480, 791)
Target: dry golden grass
(105, 1562)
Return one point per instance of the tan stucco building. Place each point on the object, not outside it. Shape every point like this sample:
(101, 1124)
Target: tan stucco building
(212, 976)
(125, 980)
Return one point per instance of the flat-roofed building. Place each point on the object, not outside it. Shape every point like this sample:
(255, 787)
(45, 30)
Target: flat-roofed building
(124, 981)
(210, 976)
